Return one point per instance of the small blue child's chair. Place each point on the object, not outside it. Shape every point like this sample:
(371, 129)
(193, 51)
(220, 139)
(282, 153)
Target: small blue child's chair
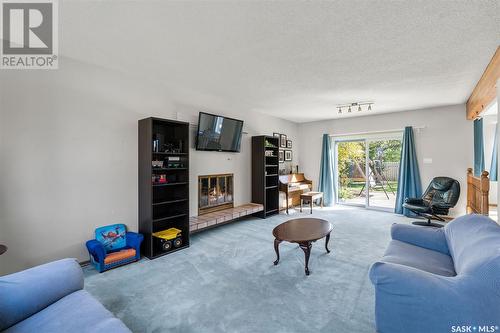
(113, 246)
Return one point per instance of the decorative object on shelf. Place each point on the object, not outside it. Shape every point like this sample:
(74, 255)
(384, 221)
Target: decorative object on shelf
(358, 106)
(157, 164)
(281, 155)
(297, 168)
(288, 155)
(174, 162)
(157, 142)
(282, 140)
(169, 238)
(114, 246)
(289, 144)
(159, 179)
(277, 135)
(268, 144)
(171, 147)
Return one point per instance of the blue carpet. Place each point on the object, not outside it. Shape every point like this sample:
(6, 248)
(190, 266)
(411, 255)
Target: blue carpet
(226, 280)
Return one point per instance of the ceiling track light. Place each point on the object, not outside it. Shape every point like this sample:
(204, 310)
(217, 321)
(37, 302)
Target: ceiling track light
(360, 106)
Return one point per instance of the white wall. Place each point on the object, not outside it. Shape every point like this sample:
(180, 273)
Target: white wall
(68, 155)
(489, 125)
(498, 139)
(446, 139)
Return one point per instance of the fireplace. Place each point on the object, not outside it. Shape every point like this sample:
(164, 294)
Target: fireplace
(215, 192)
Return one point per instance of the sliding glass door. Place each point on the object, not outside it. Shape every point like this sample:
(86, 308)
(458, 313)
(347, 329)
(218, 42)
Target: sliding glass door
(351, 168)
(367, 170)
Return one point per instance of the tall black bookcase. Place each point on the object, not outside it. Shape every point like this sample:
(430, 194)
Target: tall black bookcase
(265, 165)
(163, 183)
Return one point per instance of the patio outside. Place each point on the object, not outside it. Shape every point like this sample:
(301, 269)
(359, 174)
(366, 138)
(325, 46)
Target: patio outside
(384, 156)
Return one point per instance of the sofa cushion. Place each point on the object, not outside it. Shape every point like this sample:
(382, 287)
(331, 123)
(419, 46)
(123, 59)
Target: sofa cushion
(418, 257)
(77, 312)
(473, 240)
(118, 256)
(24, 293)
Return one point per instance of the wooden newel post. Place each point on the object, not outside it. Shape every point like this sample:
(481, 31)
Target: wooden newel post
(470, 191)
(485, 189)
(478, 189)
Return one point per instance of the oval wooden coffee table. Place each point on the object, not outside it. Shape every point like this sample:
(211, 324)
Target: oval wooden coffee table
(303, 232)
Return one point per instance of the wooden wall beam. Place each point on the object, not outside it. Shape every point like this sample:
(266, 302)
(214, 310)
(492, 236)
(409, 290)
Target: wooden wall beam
(485, 90)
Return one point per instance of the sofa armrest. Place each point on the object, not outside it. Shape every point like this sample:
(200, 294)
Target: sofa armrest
(134, 240)
(429, 238)
(27, 292)
(97, 250)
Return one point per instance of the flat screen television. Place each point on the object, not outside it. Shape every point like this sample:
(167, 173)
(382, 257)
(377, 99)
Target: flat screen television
(217, 133)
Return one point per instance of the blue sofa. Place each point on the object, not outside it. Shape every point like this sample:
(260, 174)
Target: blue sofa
(50, 298)
(438, 280)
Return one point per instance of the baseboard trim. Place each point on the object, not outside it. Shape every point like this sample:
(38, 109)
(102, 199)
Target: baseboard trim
(84, 263)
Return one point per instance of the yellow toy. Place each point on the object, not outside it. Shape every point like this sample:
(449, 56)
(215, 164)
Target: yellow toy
(166, 237)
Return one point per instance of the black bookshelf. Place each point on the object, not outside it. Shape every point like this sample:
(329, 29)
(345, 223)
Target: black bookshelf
(163, 182)
(265, 166)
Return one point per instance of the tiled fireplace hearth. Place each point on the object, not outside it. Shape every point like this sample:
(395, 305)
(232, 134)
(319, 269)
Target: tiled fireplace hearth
(215, 192)
(216, 203)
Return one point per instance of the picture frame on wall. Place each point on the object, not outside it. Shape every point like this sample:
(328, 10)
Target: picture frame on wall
(281, 156)
(282, 140)
(289, 144)
(288, 155)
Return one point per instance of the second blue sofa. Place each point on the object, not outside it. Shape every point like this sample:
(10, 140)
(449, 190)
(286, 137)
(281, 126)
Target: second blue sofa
(439, 280)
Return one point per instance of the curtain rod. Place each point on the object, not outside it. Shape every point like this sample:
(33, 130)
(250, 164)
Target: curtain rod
(418, 128)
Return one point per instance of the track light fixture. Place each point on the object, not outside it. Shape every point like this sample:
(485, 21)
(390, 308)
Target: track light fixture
(360, 106)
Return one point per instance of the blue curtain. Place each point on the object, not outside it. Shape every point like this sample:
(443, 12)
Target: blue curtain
(409, 184)
(478, 147)
(494, 157)
(325, 183)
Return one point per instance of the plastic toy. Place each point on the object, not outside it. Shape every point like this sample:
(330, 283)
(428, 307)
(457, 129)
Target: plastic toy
(169, 238)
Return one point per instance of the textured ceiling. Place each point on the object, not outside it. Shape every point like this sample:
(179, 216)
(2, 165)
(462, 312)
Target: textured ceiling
(294, 60)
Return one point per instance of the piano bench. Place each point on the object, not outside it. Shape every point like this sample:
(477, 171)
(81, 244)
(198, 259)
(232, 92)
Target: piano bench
(311, 197)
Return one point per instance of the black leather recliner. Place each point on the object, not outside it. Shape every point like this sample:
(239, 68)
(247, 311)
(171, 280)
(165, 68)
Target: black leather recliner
(441, 195)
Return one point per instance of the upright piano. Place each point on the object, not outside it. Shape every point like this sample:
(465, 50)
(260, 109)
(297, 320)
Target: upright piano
(293, 185)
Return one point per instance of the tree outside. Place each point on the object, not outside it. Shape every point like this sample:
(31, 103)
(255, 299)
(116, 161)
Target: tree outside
(384, 156)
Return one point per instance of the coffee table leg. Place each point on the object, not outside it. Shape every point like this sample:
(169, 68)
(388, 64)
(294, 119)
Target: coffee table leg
(276, 248)
(326, 243)
(307, 251)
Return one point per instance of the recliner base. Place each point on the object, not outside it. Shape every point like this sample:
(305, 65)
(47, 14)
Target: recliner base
(428, 224)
